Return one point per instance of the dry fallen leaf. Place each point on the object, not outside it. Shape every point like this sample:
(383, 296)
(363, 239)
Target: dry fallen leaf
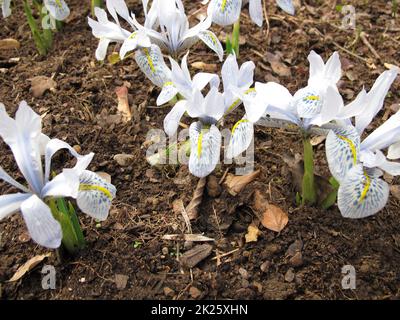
(123, 103)
(204, 66)
(194, 256)
(187, 237)
(252, 233)
(7, 44)
(179, 209)
(277, 65)
(41, 84)
(28, 266)
(317, 140)
(235, 184)
(271, 216)
(395, 191)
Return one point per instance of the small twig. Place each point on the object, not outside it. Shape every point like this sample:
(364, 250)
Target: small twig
(225, 254)
(363, 37)
(192, 208)
(266, 19)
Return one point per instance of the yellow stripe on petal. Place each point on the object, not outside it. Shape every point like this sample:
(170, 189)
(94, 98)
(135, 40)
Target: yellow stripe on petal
(237, 124)
(149, 60)
(312, 98)
(58, 2)
(366, 188)
(200, 144)
(352, 147)
(89, 187)
(223, 6)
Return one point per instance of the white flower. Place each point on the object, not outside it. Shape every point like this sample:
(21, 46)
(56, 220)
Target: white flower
(227, 12)
(357, 165)
(5, 8)
(167, 26)
(109, 32)
(182, 83)
(25, 139)
(58, 9)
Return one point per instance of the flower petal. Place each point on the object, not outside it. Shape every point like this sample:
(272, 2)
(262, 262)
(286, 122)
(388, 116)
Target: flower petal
(394, 151)
(168, 92)
(95, 195)
(42, 226)
(342, 151)
(361, 195)
(7, 178)
(65, 184)
(11, 203)
(308, 103)
(151, 62)
(256, 12)
(24, 135)
(286, 5)
(224, 12)
(58, 9)
(242, 135)
(5, 8)
(171, 121)
(205, 149)
(211, 40)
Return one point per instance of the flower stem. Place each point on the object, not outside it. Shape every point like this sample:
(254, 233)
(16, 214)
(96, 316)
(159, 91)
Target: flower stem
(96, 3)
(73, 239)
(309, 194)
(235, 38)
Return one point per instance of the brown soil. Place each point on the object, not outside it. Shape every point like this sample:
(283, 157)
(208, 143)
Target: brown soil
(129, 242)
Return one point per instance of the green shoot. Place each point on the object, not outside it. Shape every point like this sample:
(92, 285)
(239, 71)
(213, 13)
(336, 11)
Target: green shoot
(309, 194)
(96, 3)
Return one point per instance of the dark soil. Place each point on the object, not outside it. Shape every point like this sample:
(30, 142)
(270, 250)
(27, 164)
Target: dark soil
(129, 242)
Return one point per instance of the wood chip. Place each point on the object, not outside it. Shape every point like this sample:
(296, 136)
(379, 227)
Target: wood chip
(194, 256)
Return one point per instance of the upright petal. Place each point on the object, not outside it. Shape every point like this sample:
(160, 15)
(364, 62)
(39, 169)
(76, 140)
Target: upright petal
(241, 137)
(361, 195)
(5, 8)
(205, 149)
(95, 195)
(11, 203)
(23, 135)
(230, 72)
(331, 107)
(342, 151)
(375, 98)
(151, 62)
(42, 226)
(224, 12)
(256, 12)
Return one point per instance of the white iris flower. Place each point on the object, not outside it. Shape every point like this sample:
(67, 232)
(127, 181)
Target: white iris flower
(25, 139)
(58, 9)
(357, 165)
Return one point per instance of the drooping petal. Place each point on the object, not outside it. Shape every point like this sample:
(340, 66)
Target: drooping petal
(354, 108)
(214, 106)
(394, 151)
(375, 98)
(23, 135)
(342, 151)
(11, 203)
(167, 93)
(286, 5)
(95, 195)
(224, 12)
(241, 137)
(308, 102)
(42, 226)
(101, 51)
(58, 9)
(151, 62)
(256, 12)
(171, 121)
(361, 195)
(211, 40)
(118, 7)
(205, 149)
